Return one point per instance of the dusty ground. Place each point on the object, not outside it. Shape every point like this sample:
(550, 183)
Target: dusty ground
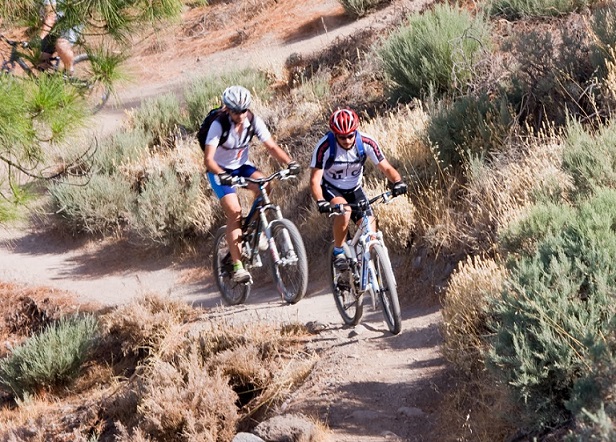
(369, 385)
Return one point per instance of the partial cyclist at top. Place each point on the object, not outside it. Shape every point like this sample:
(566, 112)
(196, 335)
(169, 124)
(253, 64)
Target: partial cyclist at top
(337, 169)
(226, 155)
(58, 35)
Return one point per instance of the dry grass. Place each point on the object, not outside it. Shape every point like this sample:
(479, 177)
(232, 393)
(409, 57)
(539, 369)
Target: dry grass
(471, 286)
(165, 371)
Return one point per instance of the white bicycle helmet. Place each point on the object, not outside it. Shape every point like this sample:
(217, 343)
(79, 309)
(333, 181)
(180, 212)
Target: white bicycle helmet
(236, 98)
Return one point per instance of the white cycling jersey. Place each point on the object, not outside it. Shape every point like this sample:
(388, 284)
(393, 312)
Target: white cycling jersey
(347, 170)
(233, 153)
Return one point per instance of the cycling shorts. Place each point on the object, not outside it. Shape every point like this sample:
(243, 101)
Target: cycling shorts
(245, 170)
(352, 196)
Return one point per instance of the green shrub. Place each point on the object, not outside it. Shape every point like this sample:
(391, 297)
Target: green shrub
(204, 93)
(102, 204)
(359, 8)
(434, 52)
(558, 298)
(50, 359)
(590, 159)
(516, 9)
(171, 205)
(593, 396)
(472, 126)
(159, 117)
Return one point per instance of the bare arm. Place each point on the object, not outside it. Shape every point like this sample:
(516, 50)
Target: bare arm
(210, 164)
(48, 21)
(390, 172)
(316, 176)
(276, 151)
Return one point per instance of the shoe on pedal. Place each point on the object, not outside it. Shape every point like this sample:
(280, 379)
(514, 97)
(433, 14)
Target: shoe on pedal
(340, 262)
(241, 276)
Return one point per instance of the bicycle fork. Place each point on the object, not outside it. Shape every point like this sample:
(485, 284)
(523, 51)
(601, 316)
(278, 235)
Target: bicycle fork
(290, 255)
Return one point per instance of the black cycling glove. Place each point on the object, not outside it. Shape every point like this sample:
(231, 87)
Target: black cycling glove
(398, 188)
(225, 179)
(324, 206)
(294, 168)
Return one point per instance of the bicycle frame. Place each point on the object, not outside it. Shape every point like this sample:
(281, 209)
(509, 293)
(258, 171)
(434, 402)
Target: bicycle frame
(15, 57)
(365, 237)
(262, 205)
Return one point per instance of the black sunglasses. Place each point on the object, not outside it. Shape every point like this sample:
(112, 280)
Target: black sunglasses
(239, 112)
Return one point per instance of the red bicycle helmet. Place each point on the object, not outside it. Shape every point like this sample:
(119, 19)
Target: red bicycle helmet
(344, 122)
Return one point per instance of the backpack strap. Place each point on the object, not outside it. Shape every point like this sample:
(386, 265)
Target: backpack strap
(331, 140)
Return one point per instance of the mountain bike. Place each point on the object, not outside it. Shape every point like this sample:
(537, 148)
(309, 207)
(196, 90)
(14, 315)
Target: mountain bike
(369, 270)
(264, 229)
(83, 79)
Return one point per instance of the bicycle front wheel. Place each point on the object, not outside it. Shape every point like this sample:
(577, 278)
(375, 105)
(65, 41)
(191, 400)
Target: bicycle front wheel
(232, 292)
(385, 286)
(348, 301)
(291, 272)
(84, 78)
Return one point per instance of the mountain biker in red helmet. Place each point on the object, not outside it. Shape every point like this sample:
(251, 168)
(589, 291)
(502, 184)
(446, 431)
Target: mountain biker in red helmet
(336, 175)
(229, 159)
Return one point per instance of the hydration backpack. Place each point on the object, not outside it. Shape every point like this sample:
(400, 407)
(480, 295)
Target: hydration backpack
(331, 140)
(218, 114)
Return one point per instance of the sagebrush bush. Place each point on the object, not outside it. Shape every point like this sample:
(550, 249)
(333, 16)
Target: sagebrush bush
(50, 359)
(102, 204)
(359, 8)
(471, 126)
(204, 93)
(590, 158)
(434, 52)
(159, 117)
(557, 299)
(592, 400)
(516, 9)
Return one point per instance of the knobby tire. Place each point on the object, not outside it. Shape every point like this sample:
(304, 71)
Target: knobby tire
(386, 286)
(232, 292)
(292, 278)
(348, 302)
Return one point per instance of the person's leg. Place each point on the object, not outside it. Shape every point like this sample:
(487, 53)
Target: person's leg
(64, 48)
(233, 211)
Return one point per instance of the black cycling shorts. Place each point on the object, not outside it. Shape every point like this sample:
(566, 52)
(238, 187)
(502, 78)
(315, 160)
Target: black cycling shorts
(353, 196)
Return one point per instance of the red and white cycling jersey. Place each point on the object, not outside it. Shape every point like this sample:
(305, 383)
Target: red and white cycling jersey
(233, 153)
(347, 170)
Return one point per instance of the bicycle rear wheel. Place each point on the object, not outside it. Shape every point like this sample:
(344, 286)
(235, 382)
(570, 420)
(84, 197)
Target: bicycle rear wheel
(348, 301)
(84, 78)
(386, 288)
(291, 273)
(232, 292)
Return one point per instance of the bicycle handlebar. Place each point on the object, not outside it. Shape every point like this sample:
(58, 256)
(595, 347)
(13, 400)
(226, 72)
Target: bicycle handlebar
(23, 44)
(339, 209)
(240, 181)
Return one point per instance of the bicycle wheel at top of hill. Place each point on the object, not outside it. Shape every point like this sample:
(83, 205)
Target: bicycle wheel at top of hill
(291, 273)
(95, 92)
(348, 301)
(385, 284)
(232, 292)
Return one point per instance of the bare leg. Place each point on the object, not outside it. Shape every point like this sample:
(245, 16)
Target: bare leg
(341, 222)
(231, 206)
(65, 51)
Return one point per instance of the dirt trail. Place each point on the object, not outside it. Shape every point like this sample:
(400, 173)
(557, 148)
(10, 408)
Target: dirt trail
(368, 385)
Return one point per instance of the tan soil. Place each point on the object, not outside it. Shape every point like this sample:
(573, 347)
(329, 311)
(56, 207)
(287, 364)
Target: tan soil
(368, 385)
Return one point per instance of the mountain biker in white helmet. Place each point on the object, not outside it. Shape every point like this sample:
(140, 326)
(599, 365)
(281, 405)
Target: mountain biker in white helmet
(56, 36)
(336, 175)
(230, 159)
